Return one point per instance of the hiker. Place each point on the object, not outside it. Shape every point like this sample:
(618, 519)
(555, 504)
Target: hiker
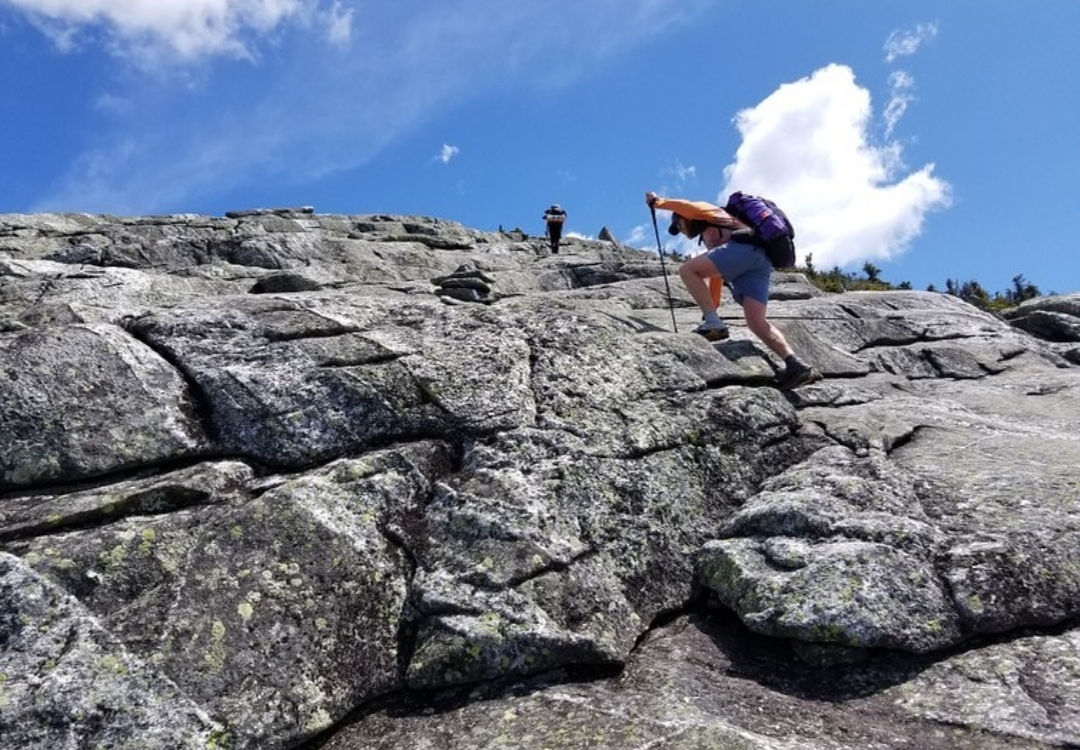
(731, 255)
(554, 218)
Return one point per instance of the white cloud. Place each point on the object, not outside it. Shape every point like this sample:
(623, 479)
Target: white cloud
(682, 174)
(906, 42)
(808, 147)
(447, 153)
(307, 108)
(641, 235)
(900, 84)
(144, 29)
(339, 24)
(118, 105)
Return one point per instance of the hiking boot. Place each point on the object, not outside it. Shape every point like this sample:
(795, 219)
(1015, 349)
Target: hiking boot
(712, 331)
(796, 374)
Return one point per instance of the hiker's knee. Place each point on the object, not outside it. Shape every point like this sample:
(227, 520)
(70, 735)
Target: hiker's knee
(697, 268)
(687, 273)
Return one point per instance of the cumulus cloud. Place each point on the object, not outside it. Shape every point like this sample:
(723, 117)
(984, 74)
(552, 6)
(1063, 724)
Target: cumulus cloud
(906, 42)
(185, 29)
(808, 146)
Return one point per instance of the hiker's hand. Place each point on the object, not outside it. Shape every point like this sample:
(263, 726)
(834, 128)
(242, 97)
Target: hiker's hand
(651, 198)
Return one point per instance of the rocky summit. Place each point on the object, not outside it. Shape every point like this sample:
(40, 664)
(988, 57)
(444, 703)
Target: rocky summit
(282, 480)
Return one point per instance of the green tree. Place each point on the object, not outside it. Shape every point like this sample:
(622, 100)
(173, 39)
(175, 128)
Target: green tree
(873, 273)
(1021, 290)
(973, 293)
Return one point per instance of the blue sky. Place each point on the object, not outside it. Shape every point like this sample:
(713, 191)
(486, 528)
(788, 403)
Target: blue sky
(935, 140)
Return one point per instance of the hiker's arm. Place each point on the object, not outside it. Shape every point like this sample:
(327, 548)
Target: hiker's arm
(694, 210)
(684, 208)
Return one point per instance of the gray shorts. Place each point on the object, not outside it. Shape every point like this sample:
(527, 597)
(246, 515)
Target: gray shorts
(745, 268)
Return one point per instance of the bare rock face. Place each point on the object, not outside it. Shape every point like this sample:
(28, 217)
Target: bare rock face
(1055, 319)
(287, 480)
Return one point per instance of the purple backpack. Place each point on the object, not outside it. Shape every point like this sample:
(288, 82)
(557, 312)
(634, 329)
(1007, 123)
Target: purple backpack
(772, 230)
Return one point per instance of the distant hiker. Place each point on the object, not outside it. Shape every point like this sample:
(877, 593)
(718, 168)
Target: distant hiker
(554, 218)
(730, 255)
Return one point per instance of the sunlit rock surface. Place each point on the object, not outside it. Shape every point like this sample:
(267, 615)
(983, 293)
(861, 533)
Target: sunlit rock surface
(287, 480)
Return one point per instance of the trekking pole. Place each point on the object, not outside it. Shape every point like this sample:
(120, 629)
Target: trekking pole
(659, 249)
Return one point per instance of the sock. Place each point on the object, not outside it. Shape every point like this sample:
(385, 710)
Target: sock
(712, 318)
(792, 361)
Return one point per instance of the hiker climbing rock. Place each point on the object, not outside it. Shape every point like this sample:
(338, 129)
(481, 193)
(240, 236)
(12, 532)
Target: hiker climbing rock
(554, 218)
(735, 255)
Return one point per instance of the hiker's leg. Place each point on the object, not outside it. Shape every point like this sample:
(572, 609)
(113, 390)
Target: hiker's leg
(755, 313)
(695, 274)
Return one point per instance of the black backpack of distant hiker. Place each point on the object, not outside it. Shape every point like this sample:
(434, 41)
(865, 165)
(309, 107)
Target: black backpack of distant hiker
(773, 232)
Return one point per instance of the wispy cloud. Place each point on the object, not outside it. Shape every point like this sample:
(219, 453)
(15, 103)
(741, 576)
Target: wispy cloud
(906, 42)
(339, 24)
(297, 108)
(113, 104)
(809, 147)
(185, 29)
(641, 235)
(447, 153)
(682, 173)
(900, 84)
(903, 44)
